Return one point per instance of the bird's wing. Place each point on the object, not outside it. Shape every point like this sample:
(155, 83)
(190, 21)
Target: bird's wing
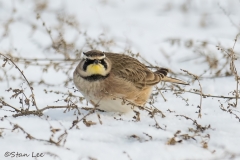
(130, 69)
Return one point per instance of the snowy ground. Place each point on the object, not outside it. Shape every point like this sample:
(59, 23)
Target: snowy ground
(179, 34)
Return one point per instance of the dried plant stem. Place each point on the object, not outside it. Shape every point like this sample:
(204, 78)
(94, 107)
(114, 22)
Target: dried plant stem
(201, 93)
(156, 123)
(29, 136)
(163, 96)
(27, 112)
(198, 126)
(77, 121)
(233, 57)
(204, 95)
(237, 96)
(26, 60)
(8, 105)
(31, 88)
(53, 107)
(233, 68)
(127, 155)
(228, 16)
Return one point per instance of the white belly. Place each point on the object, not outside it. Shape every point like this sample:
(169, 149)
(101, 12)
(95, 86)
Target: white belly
(114, 105)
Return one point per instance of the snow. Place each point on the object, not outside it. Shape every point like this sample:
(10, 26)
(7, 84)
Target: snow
(145, 27)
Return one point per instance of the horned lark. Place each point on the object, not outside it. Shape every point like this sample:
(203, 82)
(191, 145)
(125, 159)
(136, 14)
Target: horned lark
(116, 82)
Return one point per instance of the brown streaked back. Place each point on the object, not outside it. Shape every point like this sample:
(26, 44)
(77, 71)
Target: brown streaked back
(130, 69)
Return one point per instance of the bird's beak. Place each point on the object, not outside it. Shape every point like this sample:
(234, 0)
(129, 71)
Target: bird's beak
(96, 61)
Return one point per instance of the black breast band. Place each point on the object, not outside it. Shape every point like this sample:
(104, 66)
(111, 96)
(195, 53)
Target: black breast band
(95, 77)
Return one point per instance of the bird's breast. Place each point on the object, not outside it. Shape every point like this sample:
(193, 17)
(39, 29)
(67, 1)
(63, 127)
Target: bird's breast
(86, 87)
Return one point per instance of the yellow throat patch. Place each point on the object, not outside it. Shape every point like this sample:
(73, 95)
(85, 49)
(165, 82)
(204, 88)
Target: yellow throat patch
(96, 69)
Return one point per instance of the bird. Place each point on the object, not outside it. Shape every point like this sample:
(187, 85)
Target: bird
(115, 82)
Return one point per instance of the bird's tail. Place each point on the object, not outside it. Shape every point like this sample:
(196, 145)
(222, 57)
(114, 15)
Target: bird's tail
(162, 72)
(174, 80)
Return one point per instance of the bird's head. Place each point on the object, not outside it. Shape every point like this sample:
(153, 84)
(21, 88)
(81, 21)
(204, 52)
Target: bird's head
(94, 63)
